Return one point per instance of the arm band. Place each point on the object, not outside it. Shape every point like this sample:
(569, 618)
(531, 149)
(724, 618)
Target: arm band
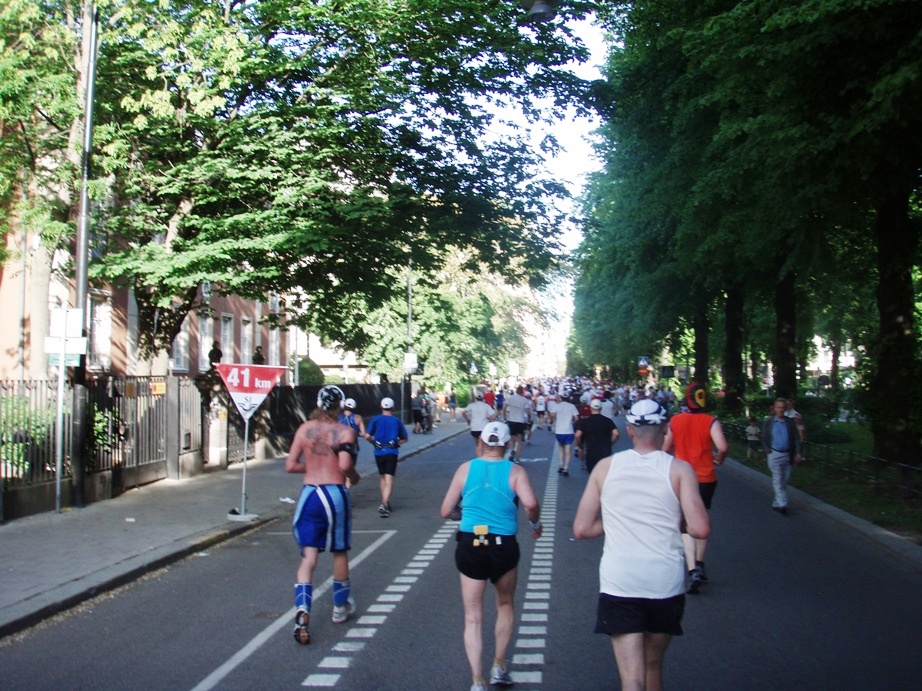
(348, 448)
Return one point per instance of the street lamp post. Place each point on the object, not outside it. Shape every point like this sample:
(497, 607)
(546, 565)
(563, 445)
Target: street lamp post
(91, 24)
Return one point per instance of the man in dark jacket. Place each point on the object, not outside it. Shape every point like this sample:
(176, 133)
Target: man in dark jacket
(781, 443)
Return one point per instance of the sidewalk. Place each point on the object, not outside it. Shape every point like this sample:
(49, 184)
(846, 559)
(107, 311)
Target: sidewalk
(51, 562)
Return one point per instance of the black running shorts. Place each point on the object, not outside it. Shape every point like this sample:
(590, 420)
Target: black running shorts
(387, 465)
(491, 561)
(706, 490)
(516, 429)
(620, 615)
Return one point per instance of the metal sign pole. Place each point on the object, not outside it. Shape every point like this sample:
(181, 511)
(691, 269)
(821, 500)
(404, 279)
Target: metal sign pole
(59, 429)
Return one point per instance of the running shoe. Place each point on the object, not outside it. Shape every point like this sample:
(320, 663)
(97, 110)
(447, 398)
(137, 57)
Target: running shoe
(565, 472)
(478, 686)
(694, 581)
(383, 510)
(500, 677)
(704, 574)
(342, 614)
(301, 633)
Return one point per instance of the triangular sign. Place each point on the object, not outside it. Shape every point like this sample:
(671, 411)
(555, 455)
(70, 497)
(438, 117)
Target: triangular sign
(249, 385)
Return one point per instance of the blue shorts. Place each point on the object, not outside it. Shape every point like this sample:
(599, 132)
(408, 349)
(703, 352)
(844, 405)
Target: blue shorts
(565, 439)
(323, 518)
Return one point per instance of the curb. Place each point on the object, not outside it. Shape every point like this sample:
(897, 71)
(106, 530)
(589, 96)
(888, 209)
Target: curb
(122, 573)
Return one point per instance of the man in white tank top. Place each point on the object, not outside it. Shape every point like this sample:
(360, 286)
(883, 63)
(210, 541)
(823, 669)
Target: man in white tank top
(637, 499)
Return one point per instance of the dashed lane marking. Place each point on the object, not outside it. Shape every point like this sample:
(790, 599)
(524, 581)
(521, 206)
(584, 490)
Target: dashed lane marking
(257, 641)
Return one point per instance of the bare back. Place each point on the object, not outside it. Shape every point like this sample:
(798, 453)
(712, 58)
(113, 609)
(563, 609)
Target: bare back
(316, 450)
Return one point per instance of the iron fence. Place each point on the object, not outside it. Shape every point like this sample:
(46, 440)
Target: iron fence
(126, 426)
(28, 424)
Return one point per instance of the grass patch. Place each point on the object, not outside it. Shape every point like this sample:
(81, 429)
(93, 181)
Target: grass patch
(840, 475)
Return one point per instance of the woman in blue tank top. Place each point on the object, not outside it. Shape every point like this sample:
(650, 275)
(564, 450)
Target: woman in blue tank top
(487, 488)
(349, 418)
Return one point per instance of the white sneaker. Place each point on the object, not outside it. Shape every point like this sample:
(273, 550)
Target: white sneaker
(342, 614)
(500, 677)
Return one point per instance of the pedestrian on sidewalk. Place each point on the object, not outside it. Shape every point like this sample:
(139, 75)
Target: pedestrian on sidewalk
(387, 434)
(781, 442)
(452, 405)
(694, 436)
(491, 490)
(753, 439)
(322, 451)
(637, 499)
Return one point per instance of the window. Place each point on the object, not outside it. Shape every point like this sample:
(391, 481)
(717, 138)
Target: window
(180, 352)
(205, 340)
(227, 337)
(99, 356)
(246, 340)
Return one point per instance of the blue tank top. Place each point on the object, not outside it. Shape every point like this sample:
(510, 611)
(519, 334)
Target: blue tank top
(349, 421)
(487, 499)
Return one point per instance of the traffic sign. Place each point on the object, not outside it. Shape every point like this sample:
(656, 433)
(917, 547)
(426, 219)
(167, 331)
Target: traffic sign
(248, 385)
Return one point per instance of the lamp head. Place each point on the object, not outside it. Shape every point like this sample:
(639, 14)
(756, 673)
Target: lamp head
(541, 11)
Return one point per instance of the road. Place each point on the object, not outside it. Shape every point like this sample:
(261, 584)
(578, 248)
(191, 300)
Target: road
(795, 603)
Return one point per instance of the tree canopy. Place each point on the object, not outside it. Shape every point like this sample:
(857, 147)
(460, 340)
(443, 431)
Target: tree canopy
(762, 157)
(308, 150)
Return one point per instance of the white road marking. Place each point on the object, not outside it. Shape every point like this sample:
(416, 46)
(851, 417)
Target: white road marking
(257, 641)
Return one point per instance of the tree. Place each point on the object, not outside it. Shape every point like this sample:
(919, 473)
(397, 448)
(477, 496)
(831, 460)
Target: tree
(43, 48)
(309, 149)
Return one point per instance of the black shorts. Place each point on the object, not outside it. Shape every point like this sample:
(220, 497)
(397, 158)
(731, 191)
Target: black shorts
(620, 615)
(491, 561)
(387, 465)
(516, 428)
(417, 415)
(476, 435)
(706, 490)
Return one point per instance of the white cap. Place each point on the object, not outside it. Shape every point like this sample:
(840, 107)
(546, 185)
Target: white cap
(387, 403)
(349, 403)
(647, 412)
(478, 395)
(495, 434)
(595, 404)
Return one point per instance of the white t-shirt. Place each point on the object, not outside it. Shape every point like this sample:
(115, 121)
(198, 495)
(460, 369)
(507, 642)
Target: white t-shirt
(566, 415)
(516, 408)
(608, 409)
(480, 414)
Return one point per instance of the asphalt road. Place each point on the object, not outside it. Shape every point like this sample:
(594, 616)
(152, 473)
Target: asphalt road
(796, 603)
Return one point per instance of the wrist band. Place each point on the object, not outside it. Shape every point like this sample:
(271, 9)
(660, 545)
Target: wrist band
(534, 526)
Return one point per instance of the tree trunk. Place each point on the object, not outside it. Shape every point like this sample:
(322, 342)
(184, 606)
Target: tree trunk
(836, 352)
(785, 360)
(896, 370)
(734, 375)
(702, 328)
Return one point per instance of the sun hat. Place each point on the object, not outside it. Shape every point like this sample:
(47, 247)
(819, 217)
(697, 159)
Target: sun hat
(495, 434)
